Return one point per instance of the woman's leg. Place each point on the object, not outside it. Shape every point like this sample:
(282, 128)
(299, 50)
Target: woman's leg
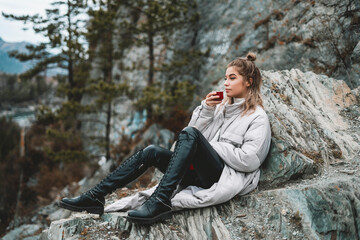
(93, 200)
(207, 164)
(158, 206)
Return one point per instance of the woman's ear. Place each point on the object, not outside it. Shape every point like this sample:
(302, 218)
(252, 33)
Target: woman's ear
(249, 82)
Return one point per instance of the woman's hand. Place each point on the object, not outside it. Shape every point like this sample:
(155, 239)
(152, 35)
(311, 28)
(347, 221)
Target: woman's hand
(212, 99)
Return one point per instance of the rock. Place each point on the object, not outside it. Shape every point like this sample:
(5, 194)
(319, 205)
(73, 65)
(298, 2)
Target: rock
(117, 221)
(102, 172)
(309, 130)
(198, 224)
(68, 228)
(25, 231)
(355, 56)
(321, 209)
(59, 214)
(310, 36)
(157, 136)
(307, 127)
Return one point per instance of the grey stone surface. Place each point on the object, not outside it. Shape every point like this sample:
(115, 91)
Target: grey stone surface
(308, 128)
(326, 207)
(157, 136)
(59, 214)
(323, 209)
(309, 35)
(22, 232)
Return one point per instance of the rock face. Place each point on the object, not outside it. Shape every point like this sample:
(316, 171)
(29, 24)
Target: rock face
(310, 181)
(319, 36)
(308, 129)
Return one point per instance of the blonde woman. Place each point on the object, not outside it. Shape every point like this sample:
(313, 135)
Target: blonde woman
(216, 157)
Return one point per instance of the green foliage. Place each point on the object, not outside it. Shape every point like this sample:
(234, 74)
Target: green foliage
(163, 100)
(184, 63)
(9, 153)
(106, 92)
(74, 89)
(67, 156)
(13, 90)
(67, 114)
(161, 16)
(61, 27)
(45, 115)
(156, 19)
(9, 138)
(102, 28)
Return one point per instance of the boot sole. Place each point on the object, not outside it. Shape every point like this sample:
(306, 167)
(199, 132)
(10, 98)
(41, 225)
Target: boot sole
(147, 221)
(94, 210)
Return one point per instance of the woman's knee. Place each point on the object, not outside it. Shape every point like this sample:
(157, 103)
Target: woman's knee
(151, 150)
(156, 156)
(190, 132)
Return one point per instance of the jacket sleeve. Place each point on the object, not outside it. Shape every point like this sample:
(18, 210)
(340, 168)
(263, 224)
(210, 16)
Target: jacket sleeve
(249, 156)
(202, 116)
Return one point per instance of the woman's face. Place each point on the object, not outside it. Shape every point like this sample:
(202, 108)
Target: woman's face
(235, 84)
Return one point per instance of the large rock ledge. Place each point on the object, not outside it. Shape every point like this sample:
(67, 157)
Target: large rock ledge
(321, 209)
(309, 132)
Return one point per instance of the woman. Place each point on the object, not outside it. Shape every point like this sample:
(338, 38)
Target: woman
(215, 158)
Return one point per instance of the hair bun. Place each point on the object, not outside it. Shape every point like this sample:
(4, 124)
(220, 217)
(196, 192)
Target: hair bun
(251, 56)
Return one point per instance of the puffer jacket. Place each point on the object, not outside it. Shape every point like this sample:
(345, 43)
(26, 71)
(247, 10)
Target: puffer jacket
(243, 142)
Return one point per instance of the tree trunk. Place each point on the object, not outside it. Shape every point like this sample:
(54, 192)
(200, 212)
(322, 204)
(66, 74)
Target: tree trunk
(18, 197)
(151, 58)
(108, 129)
(151, 70)
(108, 76)
(70, 60)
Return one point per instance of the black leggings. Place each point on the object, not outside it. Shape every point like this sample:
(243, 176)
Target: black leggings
(205, 168)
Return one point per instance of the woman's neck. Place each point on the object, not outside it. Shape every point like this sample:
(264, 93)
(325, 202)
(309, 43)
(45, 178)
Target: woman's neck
(236, 100)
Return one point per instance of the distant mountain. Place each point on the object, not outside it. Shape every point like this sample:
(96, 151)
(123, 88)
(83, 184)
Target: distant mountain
(9, 64)
(12, 65)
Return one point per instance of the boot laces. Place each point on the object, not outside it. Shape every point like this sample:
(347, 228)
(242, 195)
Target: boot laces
(135, 155)
(93, 196)
(155, 193)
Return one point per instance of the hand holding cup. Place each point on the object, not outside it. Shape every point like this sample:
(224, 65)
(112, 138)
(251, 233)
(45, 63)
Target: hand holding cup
(214, 98)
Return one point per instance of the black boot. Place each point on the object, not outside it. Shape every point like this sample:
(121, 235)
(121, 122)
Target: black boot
(158, 206)
(93, 200)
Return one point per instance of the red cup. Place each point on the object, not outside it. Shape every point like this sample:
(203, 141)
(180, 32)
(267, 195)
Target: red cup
(221, 95)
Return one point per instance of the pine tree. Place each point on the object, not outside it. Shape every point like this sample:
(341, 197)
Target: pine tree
(103, 53)
(159, 18)
(65, 47)
(152, 23)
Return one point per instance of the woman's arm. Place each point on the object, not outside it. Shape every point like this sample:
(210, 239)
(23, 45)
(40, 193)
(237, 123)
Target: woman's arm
(203, 115)
(252, 152)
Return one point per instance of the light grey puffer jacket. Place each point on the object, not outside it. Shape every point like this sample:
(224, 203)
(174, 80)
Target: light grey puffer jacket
(243, 143)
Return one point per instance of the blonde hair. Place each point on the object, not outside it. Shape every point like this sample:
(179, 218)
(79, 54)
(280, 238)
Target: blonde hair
(247, 68)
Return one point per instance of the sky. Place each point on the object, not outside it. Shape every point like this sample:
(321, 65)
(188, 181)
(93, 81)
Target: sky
(12, 31)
